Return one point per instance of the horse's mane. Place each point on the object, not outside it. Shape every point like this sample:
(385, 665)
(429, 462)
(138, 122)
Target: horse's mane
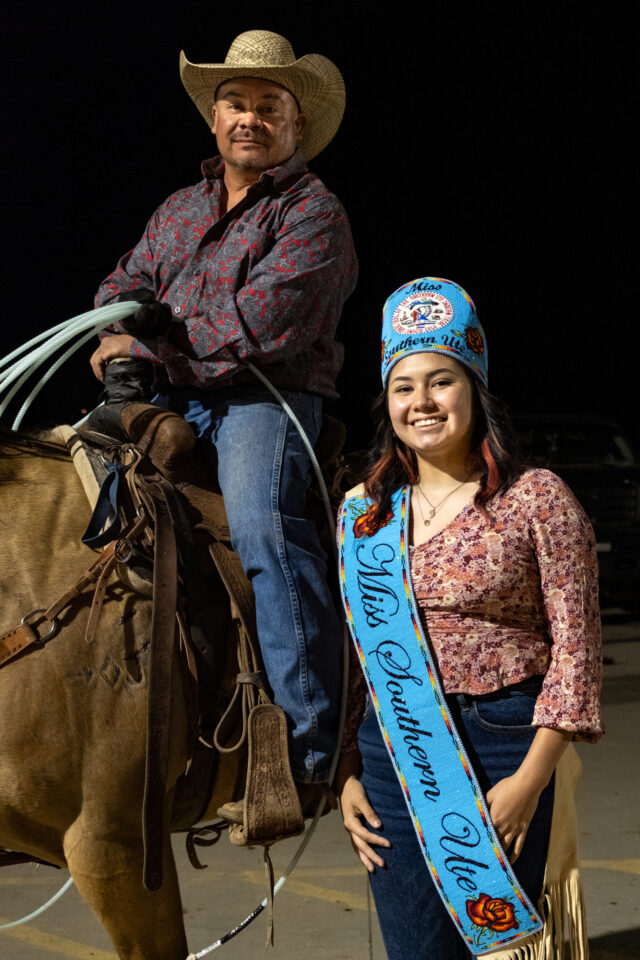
(33, 443)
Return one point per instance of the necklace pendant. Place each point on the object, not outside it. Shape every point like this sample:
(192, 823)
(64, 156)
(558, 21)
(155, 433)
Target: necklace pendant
(427, 522)
(432, 514)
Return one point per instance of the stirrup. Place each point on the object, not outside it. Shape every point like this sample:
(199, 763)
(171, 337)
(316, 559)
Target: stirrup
(270, 808)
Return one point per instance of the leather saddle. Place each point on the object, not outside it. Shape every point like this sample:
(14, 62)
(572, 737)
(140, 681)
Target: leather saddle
(239, 743)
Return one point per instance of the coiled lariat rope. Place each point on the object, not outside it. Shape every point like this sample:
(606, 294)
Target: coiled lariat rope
(78, 331)
(20, 370)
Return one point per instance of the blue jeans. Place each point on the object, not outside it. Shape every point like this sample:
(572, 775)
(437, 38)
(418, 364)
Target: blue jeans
(496, 732)
(264, 471)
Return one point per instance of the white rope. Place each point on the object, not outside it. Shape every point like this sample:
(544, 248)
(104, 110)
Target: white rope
(45, 906)
(47, 376)
(305, 439)
(18, 371)
(41, 336)
(60, 334)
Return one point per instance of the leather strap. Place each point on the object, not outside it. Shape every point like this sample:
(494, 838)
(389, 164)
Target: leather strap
(98, 600)
(237, 586)
(163, 631)
(193, 584)
(15, 641)
(269, 877)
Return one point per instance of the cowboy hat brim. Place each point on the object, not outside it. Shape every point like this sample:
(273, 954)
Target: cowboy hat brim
(314, 81)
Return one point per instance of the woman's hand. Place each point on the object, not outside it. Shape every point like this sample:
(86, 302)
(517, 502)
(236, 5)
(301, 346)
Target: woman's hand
(512, 802)
(355, 806)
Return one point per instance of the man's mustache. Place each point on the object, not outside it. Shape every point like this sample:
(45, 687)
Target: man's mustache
(252, 138)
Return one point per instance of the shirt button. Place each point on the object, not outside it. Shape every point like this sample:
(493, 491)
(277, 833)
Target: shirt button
(176, 309)
(196, 273)
(239, 228)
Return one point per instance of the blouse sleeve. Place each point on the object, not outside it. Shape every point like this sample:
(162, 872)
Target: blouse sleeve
(564, 544)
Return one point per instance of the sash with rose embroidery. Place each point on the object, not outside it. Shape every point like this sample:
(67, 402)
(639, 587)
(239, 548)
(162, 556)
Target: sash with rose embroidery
(470, 870)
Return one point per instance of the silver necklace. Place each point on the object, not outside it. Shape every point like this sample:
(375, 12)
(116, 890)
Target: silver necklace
(433, 508)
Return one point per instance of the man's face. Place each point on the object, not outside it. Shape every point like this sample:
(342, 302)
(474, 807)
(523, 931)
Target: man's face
(256, 124)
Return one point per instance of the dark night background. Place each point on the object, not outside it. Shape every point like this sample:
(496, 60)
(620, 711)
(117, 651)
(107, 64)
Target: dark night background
(486, 143)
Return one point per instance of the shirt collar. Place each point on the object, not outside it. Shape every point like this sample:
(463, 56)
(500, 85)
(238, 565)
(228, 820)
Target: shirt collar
(213, 169)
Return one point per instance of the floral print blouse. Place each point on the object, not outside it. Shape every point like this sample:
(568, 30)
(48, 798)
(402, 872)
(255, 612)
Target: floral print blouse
(507, 593)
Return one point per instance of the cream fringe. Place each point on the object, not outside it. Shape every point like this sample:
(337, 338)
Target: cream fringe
(561, 905)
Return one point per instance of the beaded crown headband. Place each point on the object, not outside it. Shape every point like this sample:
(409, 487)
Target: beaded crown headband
(432, 315)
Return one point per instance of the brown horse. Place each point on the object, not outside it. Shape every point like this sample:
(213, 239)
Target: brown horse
(73, 715)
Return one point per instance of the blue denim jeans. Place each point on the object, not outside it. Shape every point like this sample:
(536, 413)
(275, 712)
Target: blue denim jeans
(496, 732)
(264, 471)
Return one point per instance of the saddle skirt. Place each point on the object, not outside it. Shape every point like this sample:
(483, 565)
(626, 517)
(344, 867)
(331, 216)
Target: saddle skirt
(231, 709)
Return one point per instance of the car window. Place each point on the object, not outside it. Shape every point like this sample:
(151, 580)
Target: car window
(584, 442)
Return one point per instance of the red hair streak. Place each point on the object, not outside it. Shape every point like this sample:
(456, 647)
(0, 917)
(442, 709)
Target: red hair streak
(377, 474)
(408, 461)
(375, 480)
(494, 480)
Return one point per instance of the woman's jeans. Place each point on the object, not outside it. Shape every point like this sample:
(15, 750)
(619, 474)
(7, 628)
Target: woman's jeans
(264, 471)
(495, 729)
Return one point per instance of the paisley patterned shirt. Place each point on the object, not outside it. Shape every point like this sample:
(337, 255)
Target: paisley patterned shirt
(264, 282)
(512, 593)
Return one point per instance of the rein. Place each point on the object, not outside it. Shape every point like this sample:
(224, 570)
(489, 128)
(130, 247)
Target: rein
(27, 634)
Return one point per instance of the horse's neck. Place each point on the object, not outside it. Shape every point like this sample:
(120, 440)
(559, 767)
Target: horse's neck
(43, 514)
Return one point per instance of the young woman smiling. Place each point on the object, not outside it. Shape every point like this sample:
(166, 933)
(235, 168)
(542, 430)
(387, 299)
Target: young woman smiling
(502, 564)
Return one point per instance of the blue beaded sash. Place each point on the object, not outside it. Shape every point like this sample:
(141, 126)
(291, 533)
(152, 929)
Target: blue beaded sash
(470, 870)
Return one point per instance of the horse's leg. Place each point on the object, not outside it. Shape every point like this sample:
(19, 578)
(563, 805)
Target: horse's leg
(108, 874)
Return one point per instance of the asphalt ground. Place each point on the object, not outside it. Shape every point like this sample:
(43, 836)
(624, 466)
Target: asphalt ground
(324, 909)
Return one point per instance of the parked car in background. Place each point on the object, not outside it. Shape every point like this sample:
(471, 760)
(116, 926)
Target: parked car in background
(596, 459)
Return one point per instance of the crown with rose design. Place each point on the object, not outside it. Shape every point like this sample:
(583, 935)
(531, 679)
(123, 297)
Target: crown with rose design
(432, 315)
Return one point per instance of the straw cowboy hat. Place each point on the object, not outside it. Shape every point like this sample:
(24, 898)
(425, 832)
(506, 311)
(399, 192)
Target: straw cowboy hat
(314, 81)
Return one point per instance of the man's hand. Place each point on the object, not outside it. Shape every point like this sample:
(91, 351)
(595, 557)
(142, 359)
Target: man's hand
(111, 348)
(152, 319)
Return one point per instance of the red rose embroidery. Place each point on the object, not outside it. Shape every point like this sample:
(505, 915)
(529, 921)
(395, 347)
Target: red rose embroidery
(496, 914)
(368, 523)
(474, 339)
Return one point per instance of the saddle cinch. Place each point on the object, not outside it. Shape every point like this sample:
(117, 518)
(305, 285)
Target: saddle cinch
(160, 519)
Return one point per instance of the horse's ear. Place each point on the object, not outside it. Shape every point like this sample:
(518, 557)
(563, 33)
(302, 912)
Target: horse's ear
(355, 492)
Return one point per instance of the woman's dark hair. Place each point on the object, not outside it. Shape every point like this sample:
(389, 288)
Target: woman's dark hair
(494, 449)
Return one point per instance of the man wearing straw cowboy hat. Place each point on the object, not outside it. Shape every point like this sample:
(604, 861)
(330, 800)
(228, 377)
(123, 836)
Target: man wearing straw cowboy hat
(253, 264)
